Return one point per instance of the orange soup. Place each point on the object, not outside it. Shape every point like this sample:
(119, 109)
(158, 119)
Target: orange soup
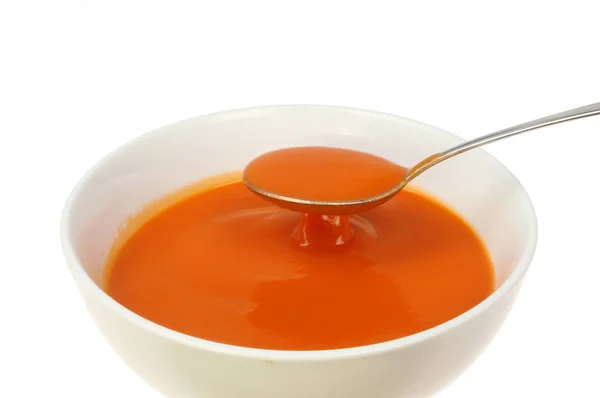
(222, 264)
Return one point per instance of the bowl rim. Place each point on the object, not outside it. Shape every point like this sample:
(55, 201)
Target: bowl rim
(84, 280)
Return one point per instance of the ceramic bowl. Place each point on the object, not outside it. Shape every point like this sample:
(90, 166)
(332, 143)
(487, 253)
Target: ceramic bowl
(474, 184)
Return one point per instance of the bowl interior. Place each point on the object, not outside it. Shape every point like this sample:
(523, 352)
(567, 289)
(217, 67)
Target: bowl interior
(474, 184)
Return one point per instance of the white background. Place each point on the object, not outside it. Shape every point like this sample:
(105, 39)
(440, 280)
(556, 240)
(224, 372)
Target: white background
(79, 78)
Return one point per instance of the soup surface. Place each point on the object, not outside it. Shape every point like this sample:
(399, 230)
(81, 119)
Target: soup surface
(223, 264)
(343, 174)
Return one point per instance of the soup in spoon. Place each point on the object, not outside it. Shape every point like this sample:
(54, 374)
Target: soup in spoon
(287, 177)
(218, 262)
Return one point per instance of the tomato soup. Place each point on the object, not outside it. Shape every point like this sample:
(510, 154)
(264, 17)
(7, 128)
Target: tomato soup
(220, 263)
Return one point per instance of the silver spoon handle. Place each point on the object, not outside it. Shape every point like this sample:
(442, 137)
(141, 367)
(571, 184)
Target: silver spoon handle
(577, 113)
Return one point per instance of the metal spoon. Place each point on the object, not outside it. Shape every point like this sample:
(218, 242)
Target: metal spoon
(354, 206)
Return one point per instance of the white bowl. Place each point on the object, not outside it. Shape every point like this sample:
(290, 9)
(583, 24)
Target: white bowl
(487, 195)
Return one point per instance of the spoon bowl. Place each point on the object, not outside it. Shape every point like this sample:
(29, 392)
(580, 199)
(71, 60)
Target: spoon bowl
(343, 173)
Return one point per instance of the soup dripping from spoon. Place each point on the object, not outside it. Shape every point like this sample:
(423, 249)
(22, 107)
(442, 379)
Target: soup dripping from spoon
(351, 181)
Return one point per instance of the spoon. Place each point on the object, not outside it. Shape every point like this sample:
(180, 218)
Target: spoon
(358, 205)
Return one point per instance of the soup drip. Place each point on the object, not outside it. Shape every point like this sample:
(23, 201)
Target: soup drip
(321, 232)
